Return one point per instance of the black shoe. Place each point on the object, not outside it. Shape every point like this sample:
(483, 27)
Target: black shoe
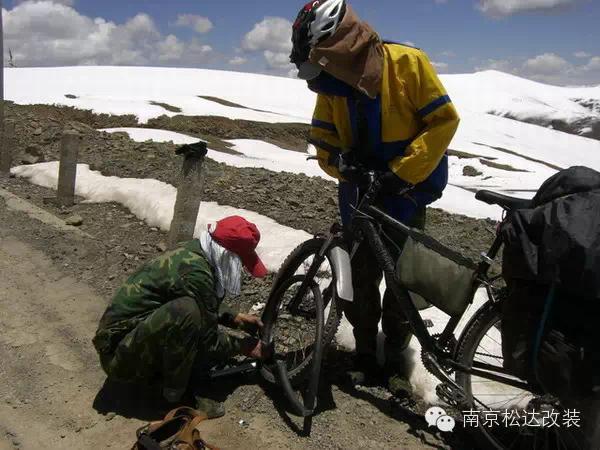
(365, 372)
(212, 408)
(399, 386)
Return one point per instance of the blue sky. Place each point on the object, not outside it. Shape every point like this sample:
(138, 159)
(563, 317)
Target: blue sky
(534, 38)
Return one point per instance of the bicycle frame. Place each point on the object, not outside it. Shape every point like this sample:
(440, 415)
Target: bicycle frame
(412, 314)
(365, 217)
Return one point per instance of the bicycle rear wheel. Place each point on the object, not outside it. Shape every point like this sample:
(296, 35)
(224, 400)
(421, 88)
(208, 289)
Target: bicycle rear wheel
(504, 416)
(294, 333)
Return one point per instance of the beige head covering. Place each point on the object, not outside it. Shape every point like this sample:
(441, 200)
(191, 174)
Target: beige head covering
(353, 54)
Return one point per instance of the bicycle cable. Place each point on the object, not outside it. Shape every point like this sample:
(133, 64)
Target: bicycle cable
(385, 235)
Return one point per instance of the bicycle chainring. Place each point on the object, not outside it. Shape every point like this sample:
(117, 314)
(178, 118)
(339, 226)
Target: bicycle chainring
(451, 395)
(449, 347)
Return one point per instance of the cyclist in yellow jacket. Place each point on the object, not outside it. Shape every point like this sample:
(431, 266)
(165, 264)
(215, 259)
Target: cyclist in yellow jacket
(380, 106)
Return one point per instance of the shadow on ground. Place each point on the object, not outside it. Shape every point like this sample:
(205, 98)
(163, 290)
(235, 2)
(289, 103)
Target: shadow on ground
(146, 403)
(336, 365)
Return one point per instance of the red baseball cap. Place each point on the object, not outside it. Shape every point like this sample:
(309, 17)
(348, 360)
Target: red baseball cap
(241, 237)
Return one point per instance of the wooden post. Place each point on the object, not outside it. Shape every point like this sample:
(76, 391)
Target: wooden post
(2, 140)
(189, 193)
(68, 168)
(8, 143)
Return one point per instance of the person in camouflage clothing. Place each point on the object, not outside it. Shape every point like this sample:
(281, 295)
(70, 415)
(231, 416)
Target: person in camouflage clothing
(162, 324)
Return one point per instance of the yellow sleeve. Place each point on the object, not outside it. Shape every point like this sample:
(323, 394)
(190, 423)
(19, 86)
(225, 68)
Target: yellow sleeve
(324, 136)
(434, 107)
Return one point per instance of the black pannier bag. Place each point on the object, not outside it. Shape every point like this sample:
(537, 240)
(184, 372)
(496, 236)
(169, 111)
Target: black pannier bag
(562, 361)
(555, 243)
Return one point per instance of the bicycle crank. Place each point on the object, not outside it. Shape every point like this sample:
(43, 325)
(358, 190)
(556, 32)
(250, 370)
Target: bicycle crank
(452, 395)
(449, 348)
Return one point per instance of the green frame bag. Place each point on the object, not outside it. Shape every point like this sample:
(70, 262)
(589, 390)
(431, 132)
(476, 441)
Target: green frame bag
(437, 274)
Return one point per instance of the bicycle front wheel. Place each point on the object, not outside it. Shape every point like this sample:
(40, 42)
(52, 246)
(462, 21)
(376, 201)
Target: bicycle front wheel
(294, 332)
(504, 416)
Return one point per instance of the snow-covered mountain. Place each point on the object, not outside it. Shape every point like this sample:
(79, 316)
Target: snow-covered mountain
(127, 90)
(574, 110)
(494, 148)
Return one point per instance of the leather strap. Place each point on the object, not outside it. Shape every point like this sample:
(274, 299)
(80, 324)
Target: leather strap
(187, 435)
(181, 411)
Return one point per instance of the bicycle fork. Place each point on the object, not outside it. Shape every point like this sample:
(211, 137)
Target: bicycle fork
(294, 305)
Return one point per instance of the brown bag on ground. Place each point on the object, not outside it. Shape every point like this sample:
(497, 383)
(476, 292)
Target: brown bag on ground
(177, 431)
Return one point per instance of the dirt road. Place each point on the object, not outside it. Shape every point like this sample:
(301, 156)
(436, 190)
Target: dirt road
(49, 369)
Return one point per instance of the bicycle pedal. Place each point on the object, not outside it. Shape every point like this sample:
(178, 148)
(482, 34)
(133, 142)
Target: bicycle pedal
(235, 370)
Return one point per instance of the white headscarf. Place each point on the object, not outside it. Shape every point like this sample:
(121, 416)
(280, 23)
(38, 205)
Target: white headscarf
(227, 266)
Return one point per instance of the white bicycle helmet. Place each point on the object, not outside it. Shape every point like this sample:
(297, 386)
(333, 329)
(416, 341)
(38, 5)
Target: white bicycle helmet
(317, 20)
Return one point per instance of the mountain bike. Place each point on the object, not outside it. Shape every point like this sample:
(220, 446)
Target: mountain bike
(303, 313)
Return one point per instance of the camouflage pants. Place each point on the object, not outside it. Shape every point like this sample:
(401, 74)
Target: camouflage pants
(162, 349)
(365, 312)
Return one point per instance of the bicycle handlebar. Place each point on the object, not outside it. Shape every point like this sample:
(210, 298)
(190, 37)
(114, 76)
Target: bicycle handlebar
(374, 186)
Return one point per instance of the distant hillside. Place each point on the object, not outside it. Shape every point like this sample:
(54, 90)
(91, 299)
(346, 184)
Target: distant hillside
(571, 110)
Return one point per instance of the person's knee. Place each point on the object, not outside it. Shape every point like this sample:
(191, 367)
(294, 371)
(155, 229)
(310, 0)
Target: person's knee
(185, 313)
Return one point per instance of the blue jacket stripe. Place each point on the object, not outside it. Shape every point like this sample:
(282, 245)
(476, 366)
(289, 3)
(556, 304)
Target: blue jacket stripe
(325, 146)
(324, 125)
(434, 105)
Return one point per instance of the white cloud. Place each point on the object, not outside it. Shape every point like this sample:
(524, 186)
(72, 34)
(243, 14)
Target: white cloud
(277, 60)
(272, 37)
(197, 23)
(171, 49)
(47, 33)
(502, 65)
(273, 33)
(546, 64)
(593, 64)
(581, 55)
(238, 61)
(448, 54)
(410, 43)
(549, 68)
(440, 66)
(59, 2)
(503, 8)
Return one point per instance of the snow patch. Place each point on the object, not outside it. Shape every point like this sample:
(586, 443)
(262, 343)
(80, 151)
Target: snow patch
(154, 202)
(268, 156)
(423, 382)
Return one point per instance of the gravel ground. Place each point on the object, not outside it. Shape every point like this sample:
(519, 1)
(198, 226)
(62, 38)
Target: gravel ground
(122, 242)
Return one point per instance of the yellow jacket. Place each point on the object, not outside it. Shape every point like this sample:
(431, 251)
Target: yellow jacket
(411, 123)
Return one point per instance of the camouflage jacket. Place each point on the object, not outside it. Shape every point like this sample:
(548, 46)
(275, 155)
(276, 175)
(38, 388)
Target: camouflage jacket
(183, 272)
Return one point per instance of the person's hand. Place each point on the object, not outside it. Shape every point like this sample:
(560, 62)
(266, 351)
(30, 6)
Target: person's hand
(391, 183)
(248, 323)
(348, 171)
(255, 349)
